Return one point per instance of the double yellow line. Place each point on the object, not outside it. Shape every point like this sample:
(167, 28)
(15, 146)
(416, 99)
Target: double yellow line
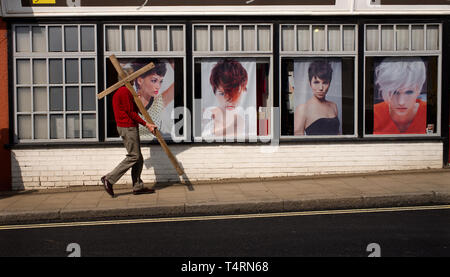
(222, 217)
(44, 1)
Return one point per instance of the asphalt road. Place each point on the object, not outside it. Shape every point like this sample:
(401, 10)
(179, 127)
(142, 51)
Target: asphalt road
(389, 233)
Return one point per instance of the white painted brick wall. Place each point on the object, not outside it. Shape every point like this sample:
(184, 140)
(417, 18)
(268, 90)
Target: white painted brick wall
(53, 168)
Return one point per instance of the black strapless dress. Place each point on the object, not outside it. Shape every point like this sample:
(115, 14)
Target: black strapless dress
(324, 127)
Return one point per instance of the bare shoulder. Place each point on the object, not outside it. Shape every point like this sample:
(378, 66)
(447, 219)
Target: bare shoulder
(301, 109)
(333, 106)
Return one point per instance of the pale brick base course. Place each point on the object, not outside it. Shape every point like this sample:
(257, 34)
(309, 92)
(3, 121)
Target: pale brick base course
(51, 168)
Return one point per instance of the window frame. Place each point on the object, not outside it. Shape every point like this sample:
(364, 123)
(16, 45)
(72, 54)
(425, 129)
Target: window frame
(297, 54)
(47, 55)
(120, 54)
(405, 53)
(211, 54)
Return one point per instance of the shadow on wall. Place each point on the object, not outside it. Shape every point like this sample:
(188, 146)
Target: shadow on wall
(11, 180)
(16, 174)
(5, 161)
(165, 173)
(8, 162)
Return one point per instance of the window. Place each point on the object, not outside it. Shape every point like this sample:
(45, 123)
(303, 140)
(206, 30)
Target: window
(144, 38)
(232, 38)
(55, 82)
(402, 91)
(318, 80)
(232, 69)
(162, 88)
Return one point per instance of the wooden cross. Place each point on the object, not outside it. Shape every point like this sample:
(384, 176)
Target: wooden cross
(125, 80)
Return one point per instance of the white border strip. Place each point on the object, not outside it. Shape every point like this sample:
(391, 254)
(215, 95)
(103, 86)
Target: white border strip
(13, 8)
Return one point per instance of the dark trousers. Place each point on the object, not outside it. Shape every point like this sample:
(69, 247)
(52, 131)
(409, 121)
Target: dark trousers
(133, 159)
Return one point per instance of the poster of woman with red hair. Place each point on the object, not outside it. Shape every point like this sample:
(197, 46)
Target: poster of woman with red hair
(229, 98)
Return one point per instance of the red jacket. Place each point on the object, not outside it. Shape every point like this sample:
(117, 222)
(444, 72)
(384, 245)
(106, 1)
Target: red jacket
(125, 110)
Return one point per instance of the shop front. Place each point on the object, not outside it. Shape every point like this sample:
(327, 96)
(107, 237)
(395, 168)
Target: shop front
(292, 88)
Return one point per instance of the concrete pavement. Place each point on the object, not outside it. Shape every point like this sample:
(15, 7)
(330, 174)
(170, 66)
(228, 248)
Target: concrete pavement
(383, 189)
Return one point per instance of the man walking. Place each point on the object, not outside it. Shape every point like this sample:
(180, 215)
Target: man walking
(127, 120)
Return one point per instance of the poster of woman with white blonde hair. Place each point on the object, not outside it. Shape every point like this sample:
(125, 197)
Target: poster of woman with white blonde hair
(400, 105)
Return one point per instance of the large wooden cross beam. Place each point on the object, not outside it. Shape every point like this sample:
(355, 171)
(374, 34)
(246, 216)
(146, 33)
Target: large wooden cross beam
(125, 80)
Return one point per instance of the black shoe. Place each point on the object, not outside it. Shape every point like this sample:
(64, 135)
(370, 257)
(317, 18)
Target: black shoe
(108, 186)
(143, 191)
